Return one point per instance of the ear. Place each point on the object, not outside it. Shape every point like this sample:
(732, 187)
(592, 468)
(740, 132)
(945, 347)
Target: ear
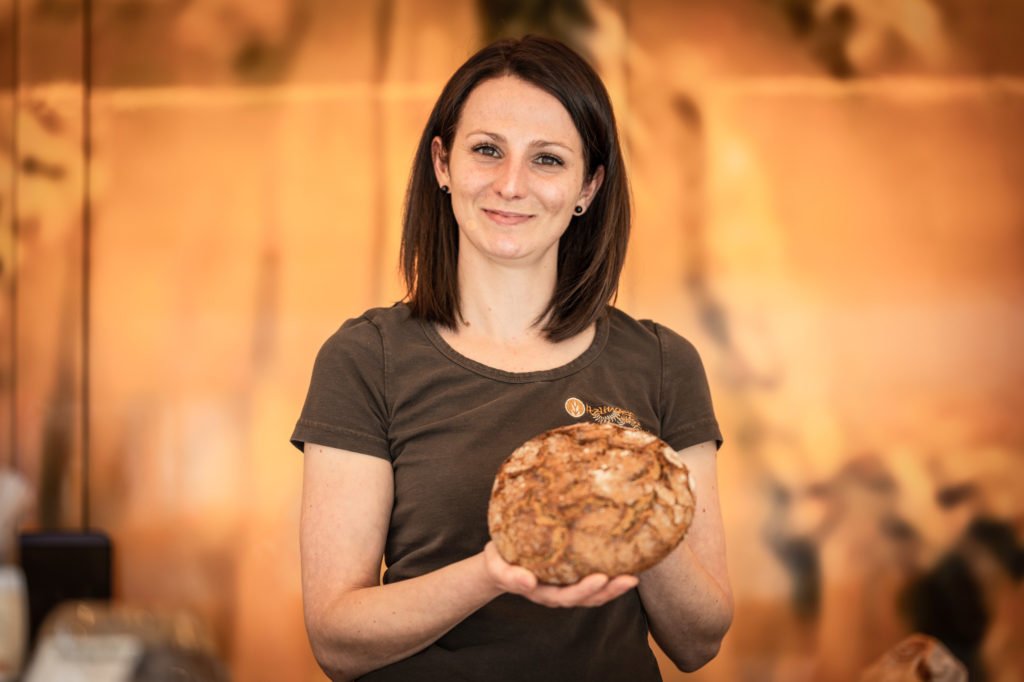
(440, 159)
(590, 188)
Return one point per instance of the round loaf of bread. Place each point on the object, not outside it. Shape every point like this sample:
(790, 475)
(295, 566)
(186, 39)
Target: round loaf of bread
(590, 498)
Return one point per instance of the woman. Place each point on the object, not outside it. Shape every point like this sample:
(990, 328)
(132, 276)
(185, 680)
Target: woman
(514, 235)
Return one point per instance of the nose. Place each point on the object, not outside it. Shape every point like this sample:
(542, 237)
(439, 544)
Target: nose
(510, 180)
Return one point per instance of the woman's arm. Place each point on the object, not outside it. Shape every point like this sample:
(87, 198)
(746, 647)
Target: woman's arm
(356, 625)
(687, 596)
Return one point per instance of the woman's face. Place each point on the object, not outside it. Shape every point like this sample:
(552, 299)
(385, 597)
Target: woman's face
(516, 173)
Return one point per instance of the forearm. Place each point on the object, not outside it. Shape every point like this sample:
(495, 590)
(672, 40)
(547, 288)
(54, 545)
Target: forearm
(688, 609)
(369, 628)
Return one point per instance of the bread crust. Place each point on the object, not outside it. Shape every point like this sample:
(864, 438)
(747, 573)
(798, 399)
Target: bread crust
(590, 498)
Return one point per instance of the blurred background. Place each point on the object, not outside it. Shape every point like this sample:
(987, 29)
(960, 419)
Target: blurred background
(194, 194)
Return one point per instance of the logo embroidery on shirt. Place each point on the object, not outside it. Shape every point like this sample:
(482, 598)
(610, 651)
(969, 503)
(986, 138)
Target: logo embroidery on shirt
(606, 414)
(575, 407)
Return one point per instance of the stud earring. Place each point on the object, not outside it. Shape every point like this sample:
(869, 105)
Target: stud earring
(578, 210)
(444, 188)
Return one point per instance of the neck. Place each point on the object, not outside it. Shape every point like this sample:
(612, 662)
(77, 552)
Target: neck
(502, 302)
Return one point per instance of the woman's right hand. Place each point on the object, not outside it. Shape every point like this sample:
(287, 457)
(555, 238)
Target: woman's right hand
(593, 590)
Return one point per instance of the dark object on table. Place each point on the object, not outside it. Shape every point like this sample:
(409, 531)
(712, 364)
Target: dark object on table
(61, 566)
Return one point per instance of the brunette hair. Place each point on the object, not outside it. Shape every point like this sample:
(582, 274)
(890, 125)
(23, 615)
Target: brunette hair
(592, 249)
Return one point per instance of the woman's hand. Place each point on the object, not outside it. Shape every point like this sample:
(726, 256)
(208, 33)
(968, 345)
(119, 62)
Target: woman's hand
(594, 590)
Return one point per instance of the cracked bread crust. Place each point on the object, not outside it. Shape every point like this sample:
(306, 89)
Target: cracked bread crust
(590, 498)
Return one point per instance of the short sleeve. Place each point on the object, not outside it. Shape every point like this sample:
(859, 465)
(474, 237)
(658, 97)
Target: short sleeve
(345, 407)
(687, 415)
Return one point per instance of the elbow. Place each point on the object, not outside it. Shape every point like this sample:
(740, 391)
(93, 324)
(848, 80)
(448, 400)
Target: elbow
(696, 657)
(331, 662)
(701, 648)
(331, 653)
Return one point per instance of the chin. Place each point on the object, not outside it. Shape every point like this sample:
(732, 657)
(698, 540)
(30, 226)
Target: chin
(505, 249)
(506, 254)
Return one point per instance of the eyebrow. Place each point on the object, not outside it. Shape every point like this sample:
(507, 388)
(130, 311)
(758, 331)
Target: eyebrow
(533, 143)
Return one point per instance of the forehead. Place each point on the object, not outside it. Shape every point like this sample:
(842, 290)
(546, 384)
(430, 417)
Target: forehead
(510, 106)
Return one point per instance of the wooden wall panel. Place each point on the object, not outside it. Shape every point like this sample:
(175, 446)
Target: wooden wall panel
(868, 250)
(215, 267)
(238, 226)
(49, 258)
(8, 183)
(847, 257)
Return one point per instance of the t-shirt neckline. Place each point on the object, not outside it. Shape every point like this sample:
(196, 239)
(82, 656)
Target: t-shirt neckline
(573, 366)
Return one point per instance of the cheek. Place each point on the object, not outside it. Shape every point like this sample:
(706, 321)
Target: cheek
(556, 197)
(464, 190)
(468, 185)
(462, 208)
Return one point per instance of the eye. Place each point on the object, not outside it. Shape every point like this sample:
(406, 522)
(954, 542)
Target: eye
(487, 150)
(549, 160)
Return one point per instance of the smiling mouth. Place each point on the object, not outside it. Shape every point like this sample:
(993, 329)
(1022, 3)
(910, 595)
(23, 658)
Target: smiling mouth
(507, 217)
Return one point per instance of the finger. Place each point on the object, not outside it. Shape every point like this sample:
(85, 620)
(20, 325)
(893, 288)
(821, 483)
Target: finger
(572, 595)
(542, 598)
(613, 590)
(522, 579)
(517, 580)
(575, 594)
(625, 582)
(509, 577)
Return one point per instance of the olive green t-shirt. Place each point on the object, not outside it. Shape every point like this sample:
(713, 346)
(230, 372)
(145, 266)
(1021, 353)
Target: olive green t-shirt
(387, 385)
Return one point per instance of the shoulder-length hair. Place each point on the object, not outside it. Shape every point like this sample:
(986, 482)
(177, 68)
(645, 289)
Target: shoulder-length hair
(592, 249)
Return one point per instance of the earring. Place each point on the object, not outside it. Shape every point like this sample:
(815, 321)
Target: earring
(578, 210)
(444, 188)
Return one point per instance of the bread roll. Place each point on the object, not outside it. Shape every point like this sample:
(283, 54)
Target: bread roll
(590, 498)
